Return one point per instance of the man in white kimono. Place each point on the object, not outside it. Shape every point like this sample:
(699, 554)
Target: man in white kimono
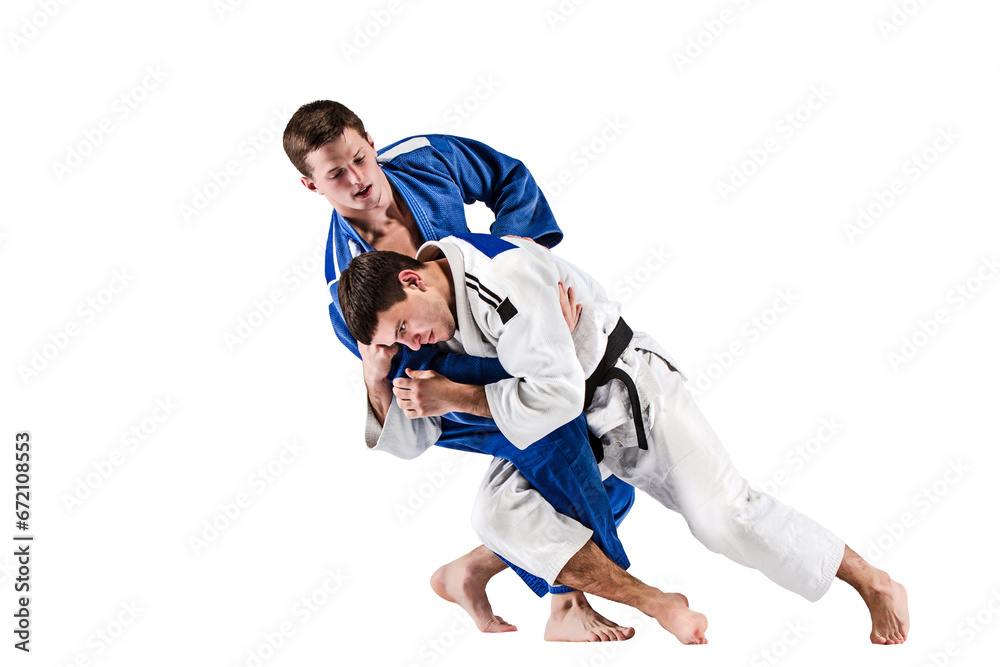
(498, 298)
(396, 198)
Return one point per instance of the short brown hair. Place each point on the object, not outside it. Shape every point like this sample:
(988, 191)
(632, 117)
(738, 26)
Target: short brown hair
(369, 286)
(314, 125)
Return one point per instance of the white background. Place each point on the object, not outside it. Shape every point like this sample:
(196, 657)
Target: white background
(538, 85)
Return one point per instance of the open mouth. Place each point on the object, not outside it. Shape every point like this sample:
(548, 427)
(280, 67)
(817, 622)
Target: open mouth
(364, 192)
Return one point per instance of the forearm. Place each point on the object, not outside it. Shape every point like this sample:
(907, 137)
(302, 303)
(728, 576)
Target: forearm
(471, 400)
(380, 397)
(430, 394)
(505, 185)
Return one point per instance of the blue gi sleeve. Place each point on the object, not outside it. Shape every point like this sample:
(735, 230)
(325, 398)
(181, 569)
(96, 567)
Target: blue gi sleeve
(502, 183)
(340, 325)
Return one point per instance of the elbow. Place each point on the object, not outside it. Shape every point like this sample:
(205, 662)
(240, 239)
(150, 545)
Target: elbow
(567, 400)
(550, 239)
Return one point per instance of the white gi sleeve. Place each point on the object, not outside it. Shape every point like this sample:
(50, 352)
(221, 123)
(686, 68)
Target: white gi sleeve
(372, 428)
(536, 348)
(401, 436)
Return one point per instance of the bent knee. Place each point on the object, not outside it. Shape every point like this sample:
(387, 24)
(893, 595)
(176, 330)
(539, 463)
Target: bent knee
(481, 516)
(725, 521)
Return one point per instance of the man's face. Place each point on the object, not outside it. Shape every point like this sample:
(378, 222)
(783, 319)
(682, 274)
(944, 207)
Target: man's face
(345, 172)
(422, 318)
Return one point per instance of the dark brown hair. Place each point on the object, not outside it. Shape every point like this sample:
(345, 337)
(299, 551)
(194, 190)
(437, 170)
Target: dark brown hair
(369, 286)
(314, 125)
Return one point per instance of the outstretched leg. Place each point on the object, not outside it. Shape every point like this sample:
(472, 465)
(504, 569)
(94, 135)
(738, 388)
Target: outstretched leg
(687, 469)
(886, 599)
(591, 571)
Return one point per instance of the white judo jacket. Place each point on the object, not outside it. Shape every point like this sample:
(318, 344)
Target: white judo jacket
(507, 307)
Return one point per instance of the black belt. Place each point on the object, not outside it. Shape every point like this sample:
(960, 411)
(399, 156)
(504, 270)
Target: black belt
(618, 342)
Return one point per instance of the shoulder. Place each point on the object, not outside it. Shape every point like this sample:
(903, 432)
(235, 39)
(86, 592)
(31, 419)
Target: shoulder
(502, 278)
(483, 244)
(404, 147)
(499, 255)
(417, 145)
(425, 145)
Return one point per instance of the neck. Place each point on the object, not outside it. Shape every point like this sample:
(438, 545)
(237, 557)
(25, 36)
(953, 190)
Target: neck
(372, 222)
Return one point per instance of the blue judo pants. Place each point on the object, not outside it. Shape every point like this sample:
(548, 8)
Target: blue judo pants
(561, 466)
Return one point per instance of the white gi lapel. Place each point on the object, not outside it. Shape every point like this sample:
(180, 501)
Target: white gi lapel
(472, 340)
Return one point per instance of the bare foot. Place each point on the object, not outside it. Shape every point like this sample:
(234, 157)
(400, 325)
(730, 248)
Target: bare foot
(671, 611)
(886, 600)
(463, 582)
(574, 620)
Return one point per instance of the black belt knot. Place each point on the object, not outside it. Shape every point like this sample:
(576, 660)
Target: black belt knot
(618, 342)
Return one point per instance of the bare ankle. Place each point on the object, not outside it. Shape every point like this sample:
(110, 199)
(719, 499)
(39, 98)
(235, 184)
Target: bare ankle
(564, 601)
(877, 583)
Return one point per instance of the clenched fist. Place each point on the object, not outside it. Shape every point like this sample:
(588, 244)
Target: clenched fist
(424, 394)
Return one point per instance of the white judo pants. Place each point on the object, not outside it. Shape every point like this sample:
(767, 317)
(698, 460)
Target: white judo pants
(686, 469)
